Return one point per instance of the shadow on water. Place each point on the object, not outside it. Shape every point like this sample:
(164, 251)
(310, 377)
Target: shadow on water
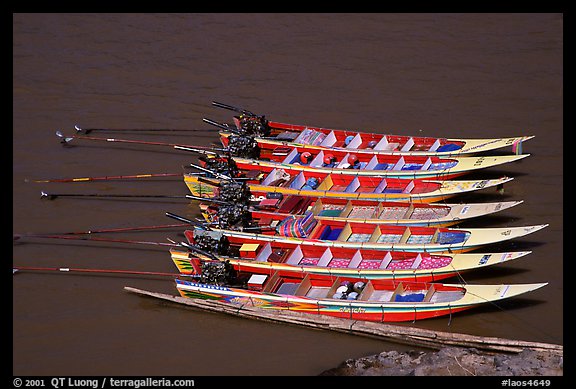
(481, 275)
(488, 221)
(490, 195)
(507, 305)
(521, 245)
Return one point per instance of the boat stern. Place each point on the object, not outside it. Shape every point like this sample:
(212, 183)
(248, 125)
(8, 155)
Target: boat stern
(198, 188)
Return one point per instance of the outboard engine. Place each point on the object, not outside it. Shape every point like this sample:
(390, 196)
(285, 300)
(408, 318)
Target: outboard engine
(219, 273)
(233, 216)
(243, 146)
(254, 125)
(234, 192)
(225, 166)
(211, 241)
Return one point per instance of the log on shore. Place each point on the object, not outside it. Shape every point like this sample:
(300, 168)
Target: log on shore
(383, 331)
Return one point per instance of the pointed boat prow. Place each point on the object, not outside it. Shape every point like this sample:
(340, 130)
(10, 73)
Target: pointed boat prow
(482, 145)
(516, 290)
(480, 294)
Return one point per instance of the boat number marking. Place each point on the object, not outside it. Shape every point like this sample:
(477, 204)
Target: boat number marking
(484, 144)
(481, 184)
(484, 259)
(479, 161)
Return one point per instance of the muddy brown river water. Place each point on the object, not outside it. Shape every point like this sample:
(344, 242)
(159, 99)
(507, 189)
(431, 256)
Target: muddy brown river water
(446, 75)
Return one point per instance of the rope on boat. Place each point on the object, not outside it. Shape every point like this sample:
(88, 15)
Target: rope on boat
(528, 324)
(351, 325)
(240, 308)
(458, 273)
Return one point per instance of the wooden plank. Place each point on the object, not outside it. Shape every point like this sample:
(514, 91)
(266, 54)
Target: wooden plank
(384, 331)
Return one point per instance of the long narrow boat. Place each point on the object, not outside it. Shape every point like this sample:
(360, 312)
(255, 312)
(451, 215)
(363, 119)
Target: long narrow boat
(319, 185)
(338, 262)
(271, 134)
(352, 298)
(307, 140)
(358, 164)
(265, 211)
(334, 234)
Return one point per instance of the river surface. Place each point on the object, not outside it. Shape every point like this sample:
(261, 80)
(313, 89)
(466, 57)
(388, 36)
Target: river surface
(446, 75)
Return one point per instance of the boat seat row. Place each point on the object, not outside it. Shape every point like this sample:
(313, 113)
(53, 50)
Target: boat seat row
(317, 138)
(375, 163)
(378, 212)
(280, 178)
(398, 294)
(357, 261)
(382, 234)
